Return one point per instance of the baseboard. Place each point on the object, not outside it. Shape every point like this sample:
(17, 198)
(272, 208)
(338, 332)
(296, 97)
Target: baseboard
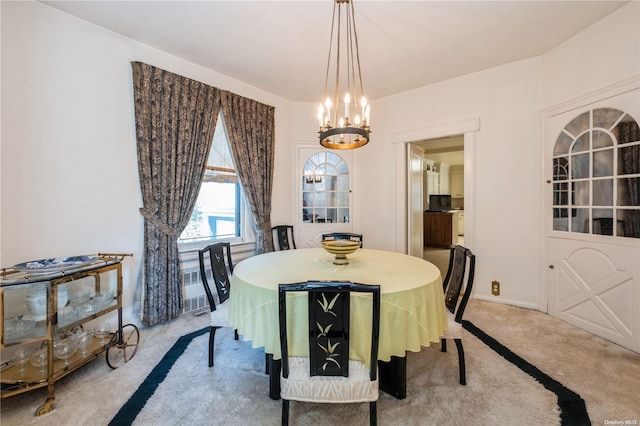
(503, 301)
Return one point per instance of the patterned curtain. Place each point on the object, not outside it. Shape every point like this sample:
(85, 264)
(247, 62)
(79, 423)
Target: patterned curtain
(250, 126)
(175, 121)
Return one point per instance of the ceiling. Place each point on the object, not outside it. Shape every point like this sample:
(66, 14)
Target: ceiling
(281, 46)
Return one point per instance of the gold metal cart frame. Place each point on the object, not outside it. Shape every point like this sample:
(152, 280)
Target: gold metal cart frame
(120, 347)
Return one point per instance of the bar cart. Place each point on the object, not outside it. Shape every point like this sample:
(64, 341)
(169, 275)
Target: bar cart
(44, 307)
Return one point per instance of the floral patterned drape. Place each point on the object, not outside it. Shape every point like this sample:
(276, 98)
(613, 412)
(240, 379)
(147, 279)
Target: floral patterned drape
(175, 122)
(250, 126)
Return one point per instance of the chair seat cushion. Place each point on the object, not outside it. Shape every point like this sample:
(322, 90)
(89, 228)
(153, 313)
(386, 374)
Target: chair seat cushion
(299, 386)
(220, 317)
(454, 329)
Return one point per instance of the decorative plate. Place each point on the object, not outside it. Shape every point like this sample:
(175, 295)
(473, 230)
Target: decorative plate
(54, 264)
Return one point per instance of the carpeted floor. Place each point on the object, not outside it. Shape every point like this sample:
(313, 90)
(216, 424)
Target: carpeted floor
(234, 391)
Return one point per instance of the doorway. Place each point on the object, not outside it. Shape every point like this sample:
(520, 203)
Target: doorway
(443, 174)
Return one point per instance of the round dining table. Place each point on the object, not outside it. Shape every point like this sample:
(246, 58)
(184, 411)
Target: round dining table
(412, 309)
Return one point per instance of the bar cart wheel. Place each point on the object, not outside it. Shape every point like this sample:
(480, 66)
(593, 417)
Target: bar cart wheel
(46, 407)
(123, 345)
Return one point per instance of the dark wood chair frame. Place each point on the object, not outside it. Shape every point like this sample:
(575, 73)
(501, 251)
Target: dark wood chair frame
(219, 256)
(340, 332)
(343, 236)
(285, 241)
(452, 286)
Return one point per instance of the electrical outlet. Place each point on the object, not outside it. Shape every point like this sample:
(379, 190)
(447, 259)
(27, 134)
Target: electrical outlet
(495, 288)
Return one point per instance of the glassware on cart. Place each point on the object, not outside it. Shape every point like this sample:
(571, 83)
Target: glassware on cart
(64, 348)
(39, 359)
(102, 332)
(83, 340)
(20, 360)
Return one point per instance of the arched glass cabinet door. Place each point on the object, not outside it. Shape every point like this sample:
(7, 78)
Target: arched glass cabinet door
(596, 175)
(325, 189)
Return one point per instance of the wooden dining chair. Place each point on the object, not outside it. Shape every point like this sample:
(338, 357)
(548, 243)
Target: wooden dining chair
(327, 375)
(217, 258)
(343, 236)
(284, 237)
(453, 284)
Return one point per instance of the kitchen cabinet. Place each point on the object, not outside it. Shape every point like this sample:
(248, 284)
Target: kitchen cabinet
(439, 229)
(444, 178)
(456, 182)
(461, 223)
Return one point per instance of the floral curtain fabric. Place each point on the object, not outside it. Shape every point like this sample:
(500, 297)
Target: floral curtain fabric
(175, 122)
(250, 127)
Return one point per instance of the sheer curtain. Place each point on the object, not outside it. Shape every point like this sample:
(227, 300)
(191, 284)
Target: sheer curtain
(175, 122)
(250, 126)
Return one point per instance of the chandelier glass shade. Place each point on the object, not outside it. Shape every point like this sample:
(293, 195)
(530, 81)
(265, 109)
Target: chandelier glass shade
(344, 116)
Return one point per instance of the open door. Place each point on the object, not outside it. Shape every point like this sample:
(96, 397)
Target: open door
(415, 208)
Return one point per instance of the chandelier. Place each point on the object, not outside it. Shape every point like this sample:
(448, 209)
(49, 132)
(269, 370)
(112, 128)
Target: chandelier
(344, 125)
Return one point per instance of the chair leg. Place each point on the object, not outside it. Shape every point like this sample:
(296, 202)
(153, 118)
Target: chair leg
(235, 334)
(463, 373)
(285, 412)
(266, 363)
(443, 345)
(212, 337)
(373, 414)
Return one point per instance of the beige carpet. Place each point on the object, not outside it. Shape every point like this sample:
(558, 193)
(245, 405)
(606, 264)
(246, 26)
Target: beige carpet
(234, 391)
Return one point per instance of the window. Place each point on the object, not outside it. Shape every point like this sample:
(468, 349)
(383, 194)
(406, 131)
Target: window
(596, 175)
(325, 189)
(218, 212)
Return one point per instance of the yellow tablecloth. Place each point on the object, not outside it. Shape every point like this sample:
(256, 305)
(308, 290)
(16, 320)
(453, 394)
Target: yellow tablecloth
(412, 300)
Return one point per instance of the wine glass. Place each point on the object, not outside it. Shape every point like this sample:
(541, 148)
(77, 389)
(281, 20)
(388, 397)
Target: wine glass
(20, 359)
(83, 340)
(102, 332)
(40, 359)
(64, 349)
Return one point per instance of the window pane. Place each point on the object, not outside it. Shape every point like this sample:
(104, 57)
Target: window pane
(331, 183)
(603, 192)
(628, 223)
(560, 194)
(582, 144)
(602, 221)
(560, 219)
(603, 163)
(343, 215)
(560, 168)
(578, 125)
(580, 193)
(601, 139)
(325, 187)
(580, 166)
(629, 192)
(563, 143)
(215, 212)
(627, 130)
(605, 117)
(580, 220)
(332, 215)
(629, 160)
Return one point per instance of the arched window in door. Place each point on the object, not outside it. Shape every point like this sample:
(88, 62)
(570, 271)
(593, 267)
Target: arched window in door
(596, 175)
(325, 189)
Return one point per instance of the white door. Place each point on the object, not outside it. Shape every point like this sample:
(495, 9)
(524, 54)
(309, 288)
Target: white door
(593, 216)
(324, 194)
(415, 208)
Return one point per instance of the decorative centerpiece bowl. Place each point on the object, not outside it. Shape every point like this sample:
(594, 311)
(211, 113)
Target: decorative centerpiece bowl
(341, 248)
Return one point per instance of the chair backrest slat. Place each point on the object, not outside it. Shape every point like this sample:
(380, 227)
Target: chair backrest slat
(454, 279)
(329, 305)
(284, 237)
(218, 256)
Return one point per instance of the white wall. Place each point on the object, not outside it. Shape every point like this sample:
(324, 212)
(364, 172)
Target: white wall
(69, 166)
(605, 53)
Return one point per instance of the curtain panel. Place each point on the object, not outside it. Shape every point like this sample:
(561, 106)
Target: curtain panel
(175, 121)
(250, 127)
